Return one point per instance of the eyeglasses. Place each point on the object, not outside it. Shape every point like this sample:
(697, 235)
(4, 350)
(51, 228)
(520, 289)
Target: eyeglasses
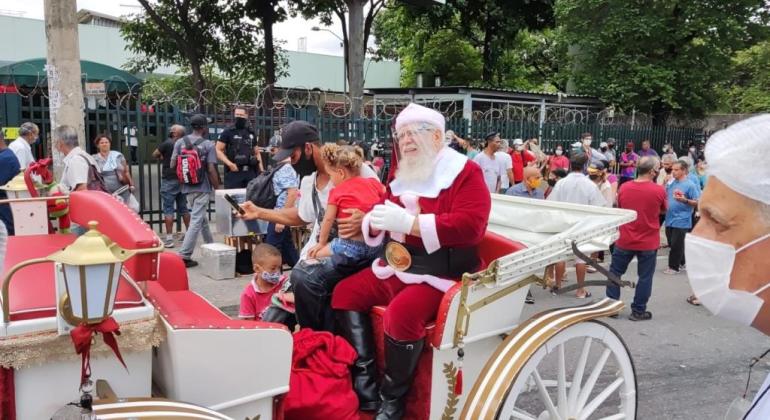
(410, 133)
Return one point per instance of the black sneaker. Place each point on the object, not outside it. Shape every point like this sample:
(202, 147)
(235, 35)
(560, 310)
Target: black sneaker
(640, 316)
(189, 263)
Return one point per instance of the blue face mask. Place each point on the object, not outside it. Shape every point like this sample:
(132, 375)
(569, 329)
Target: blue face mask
(271, 278)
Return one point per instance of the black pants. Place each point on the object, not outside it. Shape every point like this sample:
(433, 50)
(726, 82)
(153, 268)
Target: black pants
(675, 237)
(313, 285)
(238, 179)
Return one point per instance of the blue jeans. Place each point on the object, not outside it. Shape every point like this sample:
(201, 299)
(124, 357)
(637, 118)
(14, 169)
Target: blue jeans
(170, 195)
(645, 269)
(199, 223)
(352, 249)
(283, 241)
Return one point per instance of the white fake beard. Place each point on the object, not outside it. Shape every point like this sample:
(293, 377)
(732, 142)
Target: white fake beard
(417, 168)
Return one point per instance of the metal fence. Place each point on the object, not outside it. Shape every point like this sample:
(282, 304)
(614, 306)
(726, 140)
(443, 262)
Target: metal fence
(152, 119)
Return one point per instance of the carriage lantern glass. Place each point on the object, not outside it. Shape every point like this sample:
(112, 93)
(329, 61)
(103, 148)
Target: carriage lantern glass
(91, 268)
(16, 187)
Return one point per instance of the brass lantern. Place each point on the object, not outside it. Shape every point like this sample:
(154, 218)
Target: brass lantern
(17, 188)
(91, 269)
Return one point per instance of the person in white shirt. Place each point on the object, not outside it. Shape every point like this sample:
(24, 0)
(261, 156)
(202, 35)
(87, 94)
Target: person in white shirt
(506, 166)
(578, 189)
(727, 250)
(21, 147)
(489, 162)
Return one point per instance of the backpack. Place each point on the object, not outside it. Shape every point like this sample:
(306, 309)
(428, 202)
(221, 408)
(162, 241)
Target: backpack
(260, 190)
(189, 165)
(95, 180)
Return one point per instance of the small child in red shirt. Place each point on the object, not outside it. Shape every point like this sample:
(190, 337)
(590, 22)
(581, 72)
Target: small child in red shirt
(268, 281)
(351, 191)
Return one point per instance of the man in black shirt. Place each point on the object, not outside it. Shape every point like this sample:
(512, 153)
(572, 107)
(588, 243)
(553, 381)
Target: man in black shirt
(170, 191)
(237, 149)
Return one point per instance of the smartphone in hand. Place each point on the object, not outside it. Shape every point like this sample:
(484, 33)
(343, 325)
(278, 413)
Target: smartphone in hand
(234, 204)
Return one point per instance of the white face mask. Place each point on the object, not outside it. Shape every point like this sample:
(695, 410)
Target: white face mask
(559, 152)
(709, 265)
(587, 142)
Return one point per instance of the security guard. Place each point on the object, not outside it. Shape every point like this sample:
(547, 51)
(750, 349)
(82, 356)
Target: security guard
(237, 149)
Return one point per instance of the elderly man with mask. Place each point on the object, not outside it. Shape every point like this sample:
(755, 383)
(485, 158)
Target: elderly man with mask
(727, 251)
(431, 224)
(22, 146)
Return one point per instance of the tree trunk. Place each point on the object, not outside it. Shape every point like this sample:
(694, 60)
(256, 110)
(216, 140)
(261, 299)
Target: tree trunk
(487, 71)
(660, 114)
(199, 82)
(355, 53)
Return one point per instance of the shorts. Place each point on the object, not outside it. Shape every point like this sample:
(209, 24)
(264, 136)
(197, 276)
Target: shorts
(170, 194)
(352, 249)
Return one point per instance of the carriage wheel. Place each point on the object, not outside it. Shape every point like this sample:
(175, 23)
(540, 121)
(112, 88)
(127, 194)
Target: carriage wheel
(583, 372)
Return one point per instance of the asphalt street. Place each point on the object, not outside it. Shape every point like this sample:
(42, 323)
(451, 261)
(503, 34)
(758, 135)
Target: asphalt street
(689, 364)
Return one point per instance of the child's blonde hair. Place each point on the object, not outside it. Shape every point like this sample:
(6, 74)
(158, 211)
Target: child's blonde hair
(347, 157)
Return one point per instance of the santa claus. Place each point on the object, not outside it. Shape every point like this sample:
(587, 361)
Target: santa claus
(431, 224)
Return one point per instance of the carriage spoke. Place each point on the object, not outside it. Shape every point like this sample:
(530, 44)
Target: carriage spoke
(577, 378)
(589, 386)
(545, 397)
(522, 415)
(561, 389)
(596, 402)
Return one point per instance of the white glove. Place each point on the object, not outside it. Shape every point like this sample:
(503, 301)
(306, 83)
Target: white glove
(391, 217)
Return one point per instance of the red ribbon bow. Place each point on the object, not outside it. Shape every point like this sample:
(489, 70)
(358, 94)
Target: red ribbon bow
(82, 336)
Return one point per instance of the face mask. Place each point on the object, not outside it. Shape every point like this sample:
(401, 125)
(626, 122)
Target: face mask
(692, 150)
(551, 182)
(272, 278)
(587, 142)
(240, 123)
(709, 265)
(534, 184)
(604, 149)
(668, 170)
(519, 148)
(559, 152)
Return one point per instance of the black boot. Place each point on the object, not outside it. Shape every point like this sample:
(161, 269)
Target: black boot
(356, 328)
(400, 362)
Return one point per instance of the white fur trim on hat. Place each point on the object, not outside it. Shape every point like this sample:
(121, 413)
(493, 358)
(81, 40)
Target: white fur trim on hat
(414, 113)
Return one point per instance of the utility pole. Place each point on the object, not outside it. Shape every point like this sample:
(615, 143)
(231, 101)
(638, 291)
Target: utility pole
(65, 92)
(355, 54)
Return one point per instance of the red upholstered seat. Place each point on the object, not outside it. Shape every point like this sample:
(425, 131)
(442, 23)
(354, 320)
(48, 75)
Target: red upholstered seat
(121, 225)
(32, 293)
(492, 247)
(185, 309)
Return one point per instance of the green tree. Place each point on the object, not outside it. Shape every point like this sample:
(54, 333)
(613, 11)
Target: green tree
(193, 34)
(490, 27)
(749, 87)
(662, 57)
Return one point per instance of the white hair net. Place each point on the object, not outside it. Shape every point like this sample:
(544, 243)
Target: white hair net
(739, 156)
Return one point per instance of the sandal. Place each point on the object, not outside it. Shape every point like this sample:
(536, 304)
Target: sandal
(692, 300)
(584, 296)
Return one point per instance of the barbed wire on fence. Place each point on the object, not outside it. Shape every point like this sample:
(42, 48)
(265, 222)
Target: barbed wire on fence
(121, 94)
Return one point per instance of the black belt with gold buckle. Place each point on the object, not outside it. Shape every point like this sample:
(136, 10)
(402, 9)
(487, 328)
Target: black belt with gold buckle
(445, 262)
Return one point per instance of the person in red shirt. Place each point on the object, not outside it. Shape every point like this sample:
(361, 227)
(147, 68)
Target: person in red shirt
(640, 238)
(351, 191)
(521, 158)
(558, 160)
(268, 281)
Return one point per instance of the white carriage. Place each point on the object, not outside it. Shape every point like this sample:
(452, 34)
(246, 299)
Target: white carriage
(559, 364)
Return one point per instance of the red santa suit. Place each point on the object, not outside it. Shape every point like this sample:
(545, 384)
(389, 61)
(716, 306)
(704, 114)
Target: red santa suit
(452, 208)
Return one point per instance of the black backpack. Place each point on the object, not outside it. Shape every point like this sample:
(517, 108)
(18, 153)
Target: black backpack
(260, 190)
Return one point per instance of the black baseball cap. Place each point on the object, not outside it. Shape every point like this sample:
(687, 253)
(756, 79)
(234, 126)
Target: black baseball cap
(490, 135)
(199, 120)
(295, 134)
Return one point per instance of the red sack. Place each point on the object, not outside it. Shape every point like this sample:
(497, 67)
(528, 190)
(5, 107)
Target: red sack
(320, 386)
